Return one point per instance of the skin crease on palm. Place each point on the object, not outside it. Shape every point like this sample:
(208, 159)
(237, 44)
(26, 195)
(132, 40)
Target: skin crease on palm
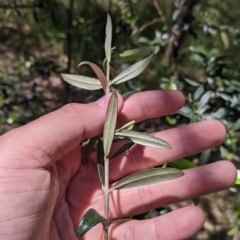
(44, 190)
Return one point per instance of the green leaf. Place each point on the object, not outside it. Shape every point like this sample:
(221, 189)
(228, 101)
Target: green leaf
(134, 54)
(205, 156)
(200, 90)
(100, 161)
(205, 99)
(104, 65)
(132, 71)
(156, 49)
(224, 96)
(170, 120)
(143, 139)
(85, 150)
(235, 83)
(127, 127)
(108, 40)
(82, 81)
(128, 94)
(200, 57)
(238, 178)
(147, 177)
(192, 82)
(110, 123)
(225, 39)
(99, 73)
(122, 149)
(182, 164)
(202, 110)
(90, 219)
(236, 125)
(196, 201)
(220, 113)
(186, 112)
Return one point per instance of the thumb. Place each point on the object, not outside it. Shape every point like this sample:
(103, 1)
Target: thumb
(45, 140)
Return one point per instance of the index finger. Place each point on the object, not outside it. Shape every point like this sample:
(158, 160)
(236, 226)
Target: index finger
(45, 140)
(150, 104)
(42, 142)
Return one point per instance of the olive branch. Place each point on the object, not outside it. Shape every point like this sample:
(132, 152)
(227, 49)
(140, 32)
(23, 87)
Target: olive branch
(111, 134)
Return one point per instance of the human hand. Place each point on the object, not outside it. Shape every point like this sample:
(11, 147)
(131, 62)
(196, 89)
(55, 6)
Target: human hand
(44, 190)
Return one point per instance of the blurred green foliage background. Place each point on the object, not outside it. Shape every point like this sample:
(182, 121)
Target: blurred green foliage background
(199, 43)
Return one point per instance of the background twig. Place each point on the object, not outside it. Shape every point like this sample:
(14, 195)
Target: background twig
(159, 10)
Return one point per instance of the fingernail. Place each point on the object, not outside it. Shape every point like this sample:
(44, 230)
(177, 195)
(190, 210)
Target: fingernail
(103, 102)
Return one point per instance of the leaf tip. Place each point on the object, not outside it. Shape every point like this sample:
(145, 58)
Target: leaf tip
(115, 94)
(90, 219)
(80, 64)
(169, 147)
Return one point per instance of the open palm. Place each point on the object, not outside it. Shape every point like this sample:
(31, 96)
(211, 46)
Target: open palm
(44, 190)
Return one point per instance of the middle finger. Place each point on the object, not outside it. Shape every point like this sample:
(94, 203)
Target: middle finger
(185, 140)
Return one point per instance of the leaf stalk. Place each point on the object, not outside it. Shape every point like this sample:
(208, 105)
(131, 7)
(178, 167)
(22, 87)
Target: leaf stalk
(106, 195)
(108, 78)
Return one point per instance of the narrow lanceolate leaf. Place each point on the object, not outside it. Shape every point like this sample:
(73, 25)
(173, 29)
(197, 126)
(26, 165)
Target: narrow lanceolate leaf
(100, 161)
(128, 94)
(99, 73)
(110, 123)
(127, 127)
(108, 40)
(156, 49)
(122, 149)
(204, 99)
(143, 139)
(147, 177)
(182, 164)
(90, 219)
(137, 53)
(82, 81)
(132, 71)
